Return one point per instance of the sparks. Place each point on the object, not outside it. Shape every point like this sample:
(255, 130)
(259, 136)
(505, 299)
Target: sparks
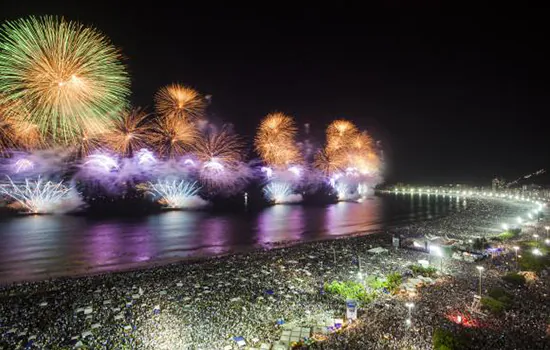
(39, 197)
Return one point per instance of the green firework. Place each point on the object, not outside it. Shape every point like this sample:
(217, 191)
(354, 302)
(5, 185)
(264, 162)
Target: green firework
(68, 78)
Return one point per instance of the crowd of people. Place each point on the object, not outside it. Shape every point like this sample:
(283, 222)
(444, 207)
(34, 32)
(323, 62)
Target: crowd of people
(210, 304)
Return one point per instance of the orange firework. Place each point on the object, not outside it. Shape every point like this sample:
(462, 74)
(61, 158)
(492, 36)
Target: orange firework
(180, 102)
(329, 163)
(27, 135)
(130, 132)
(348, 150)
(15, 131)
(87, 143)
(5, 133)
(173, 137)
(339, 133)
(275, 140)
(221, 147)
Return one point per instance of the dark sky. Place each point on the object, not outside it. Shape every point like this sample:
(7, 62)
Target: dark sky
(453, 94)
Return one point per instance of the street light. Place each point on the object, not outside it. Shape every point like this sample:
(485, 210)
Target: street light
(480, 269)
(536, 237)
(516, 248)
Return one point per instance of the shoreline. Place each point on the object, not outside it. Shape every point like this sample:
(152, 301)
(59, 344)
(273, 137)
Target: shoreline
(192, 260)
(236, 250)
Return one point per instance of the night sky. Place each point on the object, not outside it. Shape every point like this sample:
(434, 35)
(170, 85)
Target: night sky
(451, 95)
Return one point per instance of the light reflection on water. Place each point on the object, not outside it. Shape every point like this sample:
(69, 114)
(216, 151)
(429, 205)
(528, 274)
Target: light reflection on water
(38, 247)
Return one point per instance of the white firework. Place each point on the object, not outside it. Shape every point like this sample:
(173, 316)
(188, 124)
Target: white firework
(176, 194)
(362, 189)
(281, 192)
(342, 190)
(40, 197)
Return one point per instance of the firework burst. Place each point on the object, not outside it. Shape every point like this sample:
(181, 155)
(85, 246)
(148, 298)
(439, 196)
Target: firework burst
(275, 140)
(39, 197)
(129, 133)
(173, 137)
(222, 146)
(281, 192)
(329, 163)
(15, 131)
(180, 102)
(220, 154)
(339, 133)
(67, 76)
(176, 194)
(6, 133)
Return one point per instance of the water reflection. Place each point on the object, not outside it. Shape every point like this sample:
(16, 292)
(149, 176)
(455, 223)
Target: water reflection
(37, 247)
(280, 223)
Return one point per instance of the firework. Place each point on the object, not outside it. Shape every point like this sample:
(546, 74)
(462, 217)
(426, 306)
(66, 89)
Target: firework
(39, 196)
(347, 150)
(179, 102)
(339, 134)
(101, 162)
(220, 154)
(342, 190)
(173, 137)
(27, 135)
(6, 133)
(281, 192)
(67, 76)
(275, 140)
(268, 171)
(130, 132)
(145, 157)
(23, 165)
(176, 194)
(329, 163)
(15, 131)
(219, 146)
(362, 189)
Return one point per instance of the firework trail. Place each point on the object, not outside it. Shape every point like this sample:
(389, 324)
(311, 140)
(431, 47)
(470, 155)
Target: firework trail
(67, 76)
(129, 133)
(86, 144)
(177, 194)
(42, 197)
(179, 102)
(173, 137)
